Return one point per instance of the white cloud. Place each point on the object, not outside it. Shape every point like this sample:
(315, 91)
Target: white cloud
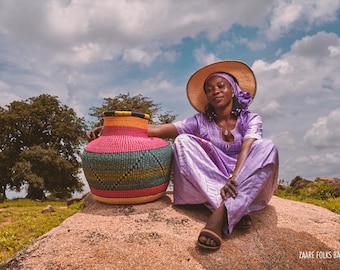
(271, 109)
(307, 72)
(7, 96)
(203, 57)
(315, 165)
(157, 84)
(319, 45)
(84, 50)
(334, 50)
(290, 14)
(325, 132)
(76, 30)
(283, 140)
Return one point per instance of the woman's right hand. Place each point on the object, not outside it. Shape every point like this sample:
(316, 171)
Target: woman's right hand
(229, 187)
(94, 133)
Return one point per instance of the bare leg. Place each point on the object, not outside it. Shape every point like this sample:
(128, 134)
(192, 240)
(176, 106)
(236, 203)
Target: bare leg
(215, 223)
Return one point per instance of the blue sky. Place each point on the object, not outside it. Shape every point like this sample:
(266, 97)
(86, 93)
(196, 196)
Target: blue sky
(83, 51)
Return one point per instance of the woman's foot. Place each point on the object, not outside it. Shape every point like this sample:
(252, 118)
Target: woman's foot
(244, 223)
(211, 236)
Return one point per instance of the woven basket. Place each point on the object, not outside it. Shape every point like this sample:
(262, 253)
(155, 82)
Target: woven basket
(124, 165)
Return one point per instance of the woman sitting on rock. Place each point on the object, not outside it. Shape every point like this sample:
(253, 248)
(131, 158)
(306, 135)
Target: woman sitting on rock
(221, 159)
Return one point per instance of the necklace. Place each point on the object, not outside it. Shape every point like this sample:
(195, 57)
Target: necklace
(226, 134)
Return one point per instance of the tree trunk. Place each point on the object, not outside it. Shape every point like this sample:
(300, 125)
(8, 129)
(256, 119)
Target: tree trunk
(35, 193)
(3, 193)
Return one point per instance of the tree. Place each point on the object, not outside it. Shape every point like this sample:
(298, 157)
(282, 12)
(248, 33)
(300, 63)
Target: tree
(40, 147)
(138, 103)
(295, 180)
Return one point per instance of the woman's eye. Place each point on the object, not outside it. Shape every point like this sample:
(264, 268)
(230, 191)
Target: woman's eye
(221, 86)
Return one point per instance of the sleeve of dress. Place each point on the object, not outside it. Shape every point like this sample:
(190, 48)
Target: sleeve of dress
(252, 123)
(188, 126)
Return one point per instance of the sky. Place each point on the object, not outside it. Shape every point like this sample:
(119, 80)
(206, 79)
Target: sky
(83, 51)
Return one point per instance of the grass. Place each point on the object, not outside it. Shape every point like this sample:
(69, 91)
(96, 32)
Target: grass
(332, 204)
(21, 222)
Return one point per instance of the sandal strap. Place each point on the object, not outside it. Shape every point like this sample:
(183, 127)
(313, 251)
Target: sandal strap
(212, 235)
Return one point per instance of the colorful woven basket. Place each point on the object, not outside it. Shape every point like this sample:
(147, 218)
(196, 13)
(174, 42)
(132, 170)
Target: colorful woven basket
(124, 165)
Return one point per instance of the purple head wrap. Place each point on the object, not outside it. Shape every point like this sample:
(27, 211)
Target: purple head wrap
(243, 97)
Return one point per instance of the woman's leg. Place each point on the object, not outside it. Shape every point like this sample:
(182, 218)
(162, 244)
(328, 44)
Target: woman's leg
(199, 173)
(201, 170)
(256, 182)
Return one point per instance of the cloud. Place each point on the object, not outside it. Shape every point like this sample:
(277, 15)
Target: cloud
(308, 72)
(203, 57)
(311, 166)
(325, 132)
(271, 109)
(78, 30)
(85, 50)
(288, 15)
(334, 50)
(7, 96)
(283, 140)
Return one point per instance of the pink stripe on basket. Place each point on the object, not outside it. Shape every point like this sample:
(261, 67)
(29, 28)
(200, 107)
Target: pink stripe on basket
(130, 193)
(124, 131)
(127, 140)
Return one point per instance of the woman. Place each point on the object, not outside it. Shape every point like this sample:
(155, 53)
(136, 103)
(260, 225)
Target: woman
(221, 159)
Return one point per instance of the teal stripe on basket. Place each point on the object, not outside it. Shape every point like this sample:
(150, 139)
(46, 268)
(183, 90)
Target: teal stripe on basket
(126, 161)
(128, 185)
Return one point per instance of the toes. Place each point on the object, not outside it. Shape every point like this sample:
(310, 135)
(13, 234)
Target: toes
(207, 241)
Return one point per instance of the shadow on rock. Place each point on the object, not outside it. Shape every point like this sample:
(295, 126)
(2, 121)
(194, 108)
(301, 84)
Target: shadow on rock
(91, 206)
(266, 246)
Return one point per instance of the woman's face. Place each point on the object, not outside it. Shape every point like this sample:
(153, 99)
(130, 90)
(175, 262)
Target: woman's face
(219, 92)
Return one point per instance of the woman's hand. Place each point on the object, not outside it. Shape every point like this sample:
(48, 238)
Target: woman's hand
(94, 133)
(229, 187)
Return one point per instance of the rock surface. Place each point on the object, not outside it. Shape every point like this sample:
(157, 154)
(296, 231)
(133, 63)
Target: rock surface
(158, 235)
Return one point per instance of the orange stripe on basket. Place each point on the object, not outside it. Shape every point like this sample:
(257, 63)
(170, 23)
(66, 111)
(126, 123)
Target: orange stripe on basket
(126, 121)
(129, 193)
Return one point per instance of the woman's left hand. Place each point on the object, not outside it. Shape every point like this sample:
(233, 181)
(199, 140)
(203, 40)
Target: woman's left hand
(229, 187)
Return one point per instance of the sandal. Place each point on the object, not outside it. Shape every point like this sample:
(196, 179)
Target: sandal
(210, 235)
(244, 223)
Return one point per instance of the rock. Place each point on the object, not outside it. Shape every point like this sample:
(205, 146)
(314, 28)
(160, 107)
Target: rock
(73, 200)
(48, 209)
(333, 182)
(285, 235)
(299, 184)
(281, 187)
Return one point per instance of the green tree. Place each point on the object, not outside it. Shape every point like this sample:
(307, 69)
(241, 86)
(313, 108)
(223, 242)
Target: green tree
(40, 147)
(138, 103)
(295, 180)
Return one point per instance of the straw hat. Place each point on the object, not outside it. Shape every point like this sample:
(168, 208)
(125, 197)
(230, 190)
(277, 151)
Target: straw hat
(195, 86)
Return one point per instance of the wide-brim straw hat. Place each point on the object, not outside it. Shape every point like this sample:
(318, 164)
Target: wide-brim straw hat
(241, 71)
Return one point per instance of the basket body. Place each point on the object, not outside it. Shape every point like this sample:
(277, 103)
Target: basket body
(124, 165)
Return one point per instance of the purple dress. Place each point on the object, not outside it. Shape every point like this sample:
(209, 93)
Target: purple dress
(204, 161)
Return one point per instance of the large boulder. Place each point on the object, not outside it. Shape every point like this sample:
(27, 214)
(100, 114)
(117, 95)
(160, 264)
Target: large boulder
(157, 235)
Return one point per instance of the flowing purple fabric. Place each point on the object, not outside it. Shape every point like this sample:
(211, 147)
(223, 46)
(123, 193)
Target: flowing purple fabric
(204, 161)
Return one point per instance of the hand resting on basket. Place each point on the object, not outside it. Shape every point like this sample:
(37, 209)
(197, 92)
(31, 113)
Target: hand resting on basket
(94, 133)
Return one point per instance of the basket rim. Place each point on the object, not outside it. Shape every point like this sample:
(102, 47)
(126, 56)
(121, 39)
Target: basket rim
(126, 113)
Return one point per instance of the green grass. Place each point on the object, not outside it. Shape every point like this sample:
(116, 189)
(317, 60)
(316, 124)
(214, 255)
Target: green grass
(21, 222)
(332, 204)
